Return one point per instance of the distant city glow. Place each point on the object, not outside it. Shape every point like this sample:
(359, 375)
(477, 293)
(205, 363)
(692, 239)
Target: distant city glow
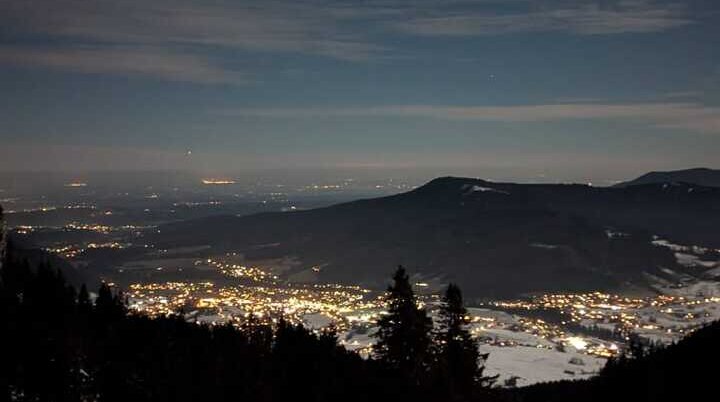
(218, 181)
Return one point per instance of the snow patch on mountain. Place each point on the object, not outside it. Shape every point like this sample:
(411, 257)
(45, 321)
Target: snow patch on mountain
(689, 256)
(475, 189)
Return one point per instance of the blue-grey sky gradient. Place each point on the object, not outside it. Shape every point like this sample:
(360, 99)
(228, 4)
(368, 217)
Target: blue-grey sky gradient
(602, 87)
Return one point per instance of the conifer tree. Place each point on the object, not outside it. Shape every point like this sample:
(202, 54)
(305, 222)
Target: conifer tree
(84, 304)
(404, 333)
(458, 354)
(108, 305)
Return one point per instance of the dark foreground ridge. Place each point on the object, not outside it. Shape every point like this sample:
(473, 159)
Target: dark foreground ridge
(60, 346)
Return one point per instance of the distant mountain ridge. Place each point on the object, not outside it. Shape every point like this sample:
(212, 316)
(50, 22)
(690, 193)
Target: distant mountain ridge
(699, 176)
(496, 239)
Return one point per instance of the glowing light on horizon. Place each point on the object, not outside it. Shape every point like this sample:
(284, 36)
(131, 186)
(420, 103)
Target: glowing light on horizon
(217, 181)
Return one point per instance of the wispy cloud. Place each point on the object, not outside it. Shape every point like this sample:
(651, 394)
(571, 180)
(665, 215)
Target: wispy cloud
(683, 95)
(688, 116)
(172, 39)
(185, 32)
(287, 26)
(151, 62)
(580, 17)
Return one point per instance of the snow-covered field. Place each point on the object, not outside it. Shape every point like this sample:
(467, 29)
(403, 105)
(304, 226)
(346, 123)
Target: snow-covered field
(517, 355)
(530, 365)
(694, 289)
(526, 359)
(577, 334)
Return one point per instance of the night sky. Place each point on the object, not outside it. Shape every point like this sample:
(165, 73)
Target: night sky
(596, 88)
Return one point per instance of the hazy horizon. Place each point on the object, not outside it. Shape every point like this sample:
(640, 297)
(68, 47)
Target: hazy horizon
(575, 90)
(415, 176)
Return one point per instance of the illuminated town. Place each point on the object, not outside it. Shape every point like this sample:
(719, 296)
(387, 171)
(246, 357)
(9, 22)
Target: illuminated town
(569, 336)
(75, 251)
(594, 324)
(537, 338)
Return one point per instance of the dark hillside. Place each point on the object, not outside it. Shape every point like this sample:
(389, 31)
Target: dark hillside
(497, 238)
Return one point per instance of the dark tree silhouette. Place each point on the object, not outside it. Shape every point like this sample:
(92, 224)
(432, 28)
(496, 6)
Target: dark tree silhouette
(58, 346)
(109, 304)
(458, 356)
(84, 304)
(404, 333)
